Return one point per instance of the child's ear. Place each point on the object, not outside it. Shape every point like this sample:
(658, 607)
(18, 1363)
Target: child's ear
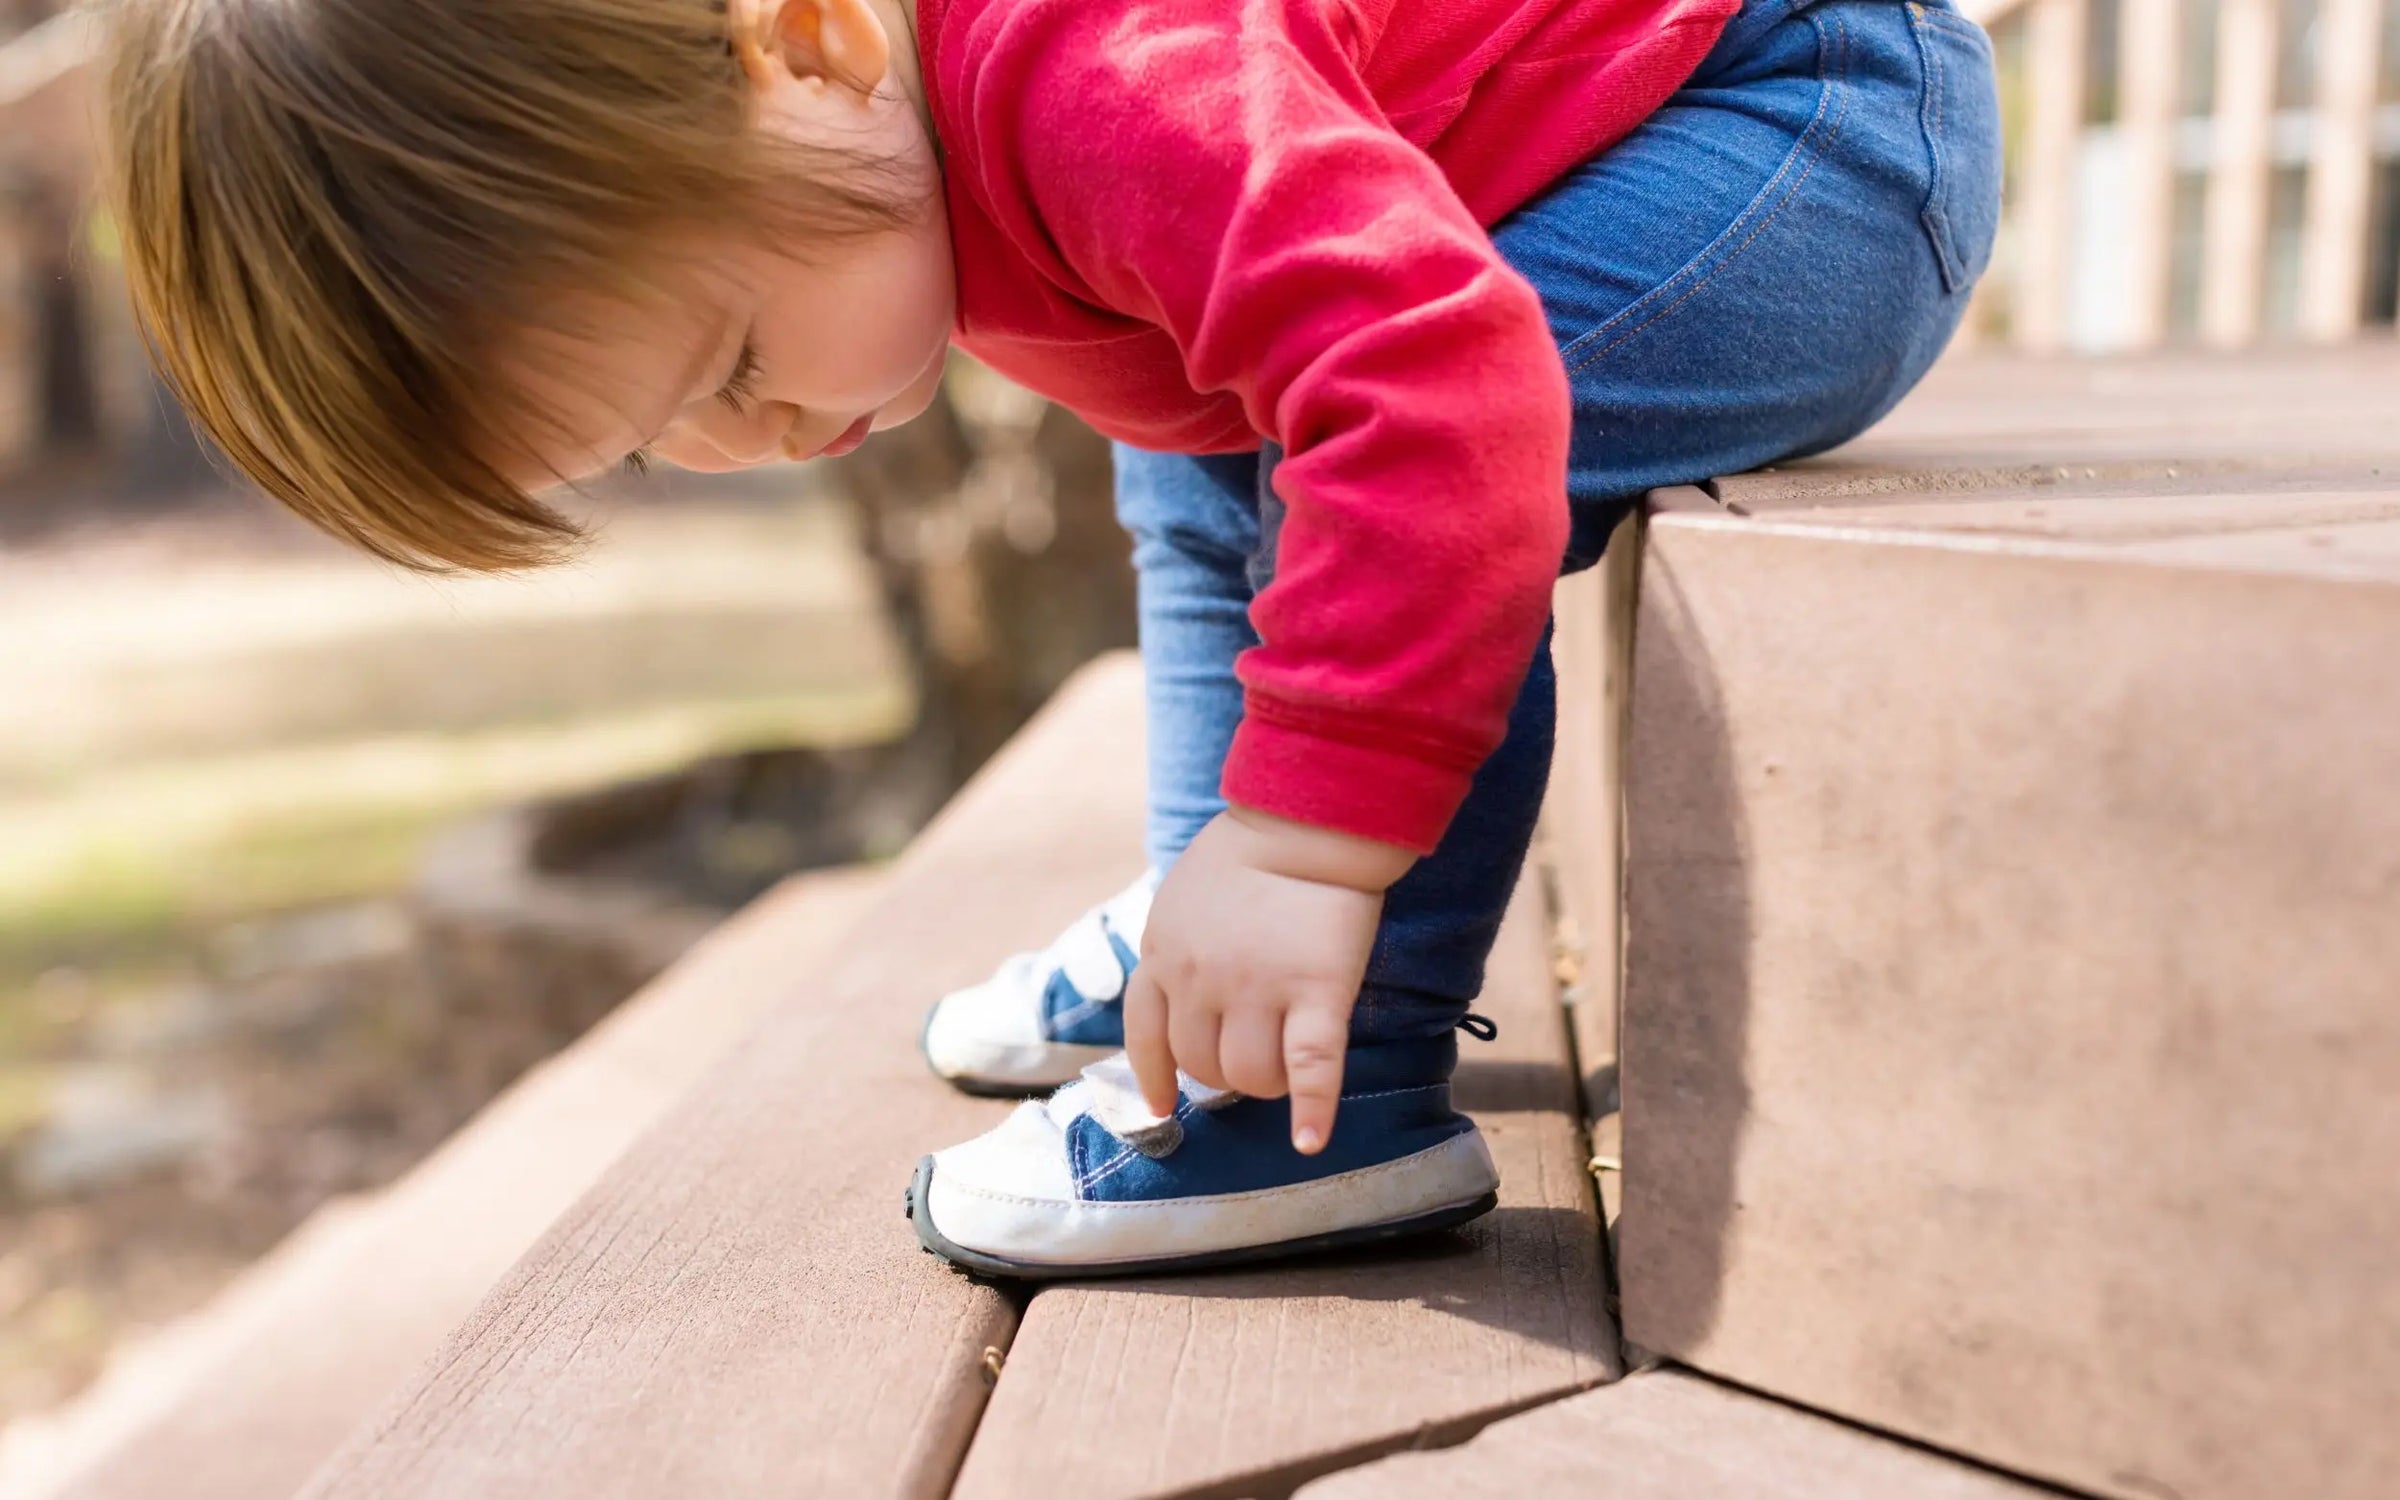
(838, 42)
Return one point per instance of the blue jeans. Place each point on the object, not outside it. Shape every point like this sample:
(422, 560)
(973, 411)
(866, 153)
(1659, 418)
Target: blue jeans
(1760, 271)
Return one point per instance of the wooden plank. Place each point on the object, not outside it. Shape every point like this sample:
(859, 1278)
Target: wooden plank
(1238, 1384)
(1581, 825)
(2083, 513)
(1969, 878)
(1579, 831)
(1667, 1435)
(739, 1307)
(265, 1384)
(2150, 60)
(2233, 258)
(2057, 61)
(2341, 176)
(2358, 552)
(1990, 422)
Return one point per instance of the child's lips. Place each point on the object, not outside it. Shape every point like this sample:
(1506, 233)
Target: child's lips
(853, 435)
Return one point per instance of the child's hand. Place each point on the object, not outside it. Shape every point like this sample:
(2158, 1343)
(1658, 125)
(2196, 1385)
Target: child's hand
(1251, 962)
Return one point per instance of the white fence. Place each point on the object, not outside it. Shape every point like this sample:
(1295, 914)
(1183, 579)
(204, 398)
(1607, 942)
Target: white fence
(2219, 170)
(2225, 171)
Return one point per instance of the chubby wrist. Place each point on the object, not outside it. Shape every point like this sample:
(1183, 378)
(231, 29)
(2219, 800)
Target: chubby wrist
(1303, 851)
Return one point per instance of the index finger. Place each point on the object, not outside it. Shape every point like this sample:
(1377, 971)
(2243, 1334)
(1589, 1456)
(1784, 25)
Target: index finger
(1315, 1036)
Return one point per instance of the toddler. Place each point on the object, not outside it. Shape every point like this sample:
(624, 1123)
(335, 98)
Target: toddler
(1395, 309)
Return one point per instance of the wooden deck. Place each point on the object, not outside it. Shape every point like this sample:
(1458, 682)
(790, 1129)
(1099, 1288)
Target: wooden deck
(2012, 852)
(2006, 1041)
(1244, 1384)
(1672, 1436)
(252, 1397)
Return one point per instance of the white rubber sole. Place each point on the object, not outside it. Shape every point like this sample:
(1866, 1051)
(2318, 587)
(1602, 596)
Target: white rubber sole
(1006, 1234)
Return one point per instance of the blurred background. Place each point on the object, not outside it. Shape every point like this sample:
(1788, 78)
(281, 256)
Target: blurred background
(301, 860)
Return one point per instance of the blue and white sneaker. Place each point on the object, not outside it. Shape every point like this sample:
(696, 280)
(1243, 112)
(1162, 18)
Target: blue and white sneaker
(1044, 1017)
(1090, 1183)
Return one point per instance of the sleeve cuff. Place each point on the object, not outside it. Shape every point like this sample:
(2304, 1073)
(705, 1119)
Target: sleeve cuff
(1374, 792)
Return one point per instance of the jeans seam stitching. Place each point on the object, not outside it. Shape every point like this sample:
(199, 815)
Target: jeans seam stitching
(1813, 155)
(1936, 214)
(1420, 1088)
(1941, 96)
(1956, 25)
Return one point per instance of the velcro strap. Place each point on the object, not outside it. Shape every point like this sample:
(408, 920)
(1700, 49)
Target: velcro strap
(1110, 1094)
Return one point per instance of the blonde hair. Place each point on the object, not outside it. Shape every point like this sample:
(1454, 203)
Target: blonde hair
(332, 209)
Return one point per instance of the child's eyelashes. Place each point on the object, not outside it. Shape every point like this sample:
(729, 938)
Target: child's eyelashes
(739, 386)
(734, 395)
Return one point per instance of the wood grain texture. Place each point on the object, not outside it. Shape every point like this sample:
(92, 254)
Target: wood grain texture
(1246, 1383)
(1984, 422)
(2127, 516)
(1970, 878)
(265, 1385)
(1663, 1435)
(739, 1307)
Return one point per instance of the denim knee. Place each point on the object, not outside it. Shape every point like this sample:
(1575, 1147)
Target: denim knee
(1204, 505)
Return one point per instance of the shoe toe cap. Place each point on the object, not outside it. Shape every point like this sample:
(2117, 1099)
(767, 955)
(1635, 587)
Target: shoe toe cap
(981, 1031)
(1024, 1157)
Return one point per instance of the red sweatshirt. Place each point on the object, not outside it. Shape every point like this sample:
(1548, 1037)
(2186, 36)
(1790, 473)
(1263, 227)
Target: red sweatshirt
(1200, 223)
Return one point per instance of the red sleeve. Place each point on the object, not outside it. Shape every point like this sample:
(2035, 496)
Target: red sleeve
(1217, 168)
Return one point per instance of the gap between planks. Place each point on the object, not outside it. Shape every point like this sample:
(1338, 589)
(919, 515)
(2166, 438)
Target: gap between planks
(1251, 1383)
(738, 1309)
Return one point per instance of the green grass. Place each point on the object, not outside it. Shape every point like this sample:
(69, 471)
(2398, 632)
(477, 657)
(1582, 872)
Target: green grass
(24, 1098)
(129, 865)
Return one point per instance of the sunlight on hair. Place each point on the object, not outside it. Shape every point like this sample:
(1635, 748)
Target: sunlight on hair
(332, 210)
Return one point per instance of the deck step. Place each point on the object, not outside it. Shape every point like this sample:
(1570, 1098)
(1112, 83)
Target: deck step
(1981, 421)
(2009, 1025)
(249, 1396)
(1668, 1435)
(1247, 1384)
(738, 1308)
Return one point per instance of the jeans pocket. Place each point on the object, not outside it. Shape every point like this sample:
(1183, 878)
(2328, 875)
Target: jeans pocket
(1961, 119)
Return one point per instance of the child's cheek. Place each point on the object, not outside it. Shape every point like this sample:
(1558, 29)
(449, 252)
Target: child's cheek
(911, 403)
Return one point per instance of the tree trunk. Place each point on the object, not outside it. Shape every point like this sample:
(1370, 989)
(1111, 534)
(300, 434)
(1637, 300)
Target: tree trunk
(991, 526)
(67, 418)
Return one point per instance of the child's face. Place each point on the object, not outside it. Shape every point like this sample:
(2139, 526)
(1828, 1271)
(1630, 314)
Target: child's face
(756, 354)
